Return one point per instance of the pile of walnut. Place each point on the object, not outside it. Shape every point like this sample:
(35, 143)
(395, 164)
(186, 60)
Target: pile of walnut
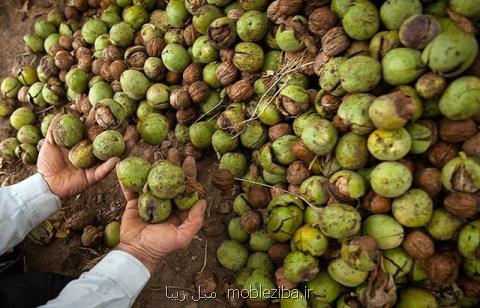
(351, 125)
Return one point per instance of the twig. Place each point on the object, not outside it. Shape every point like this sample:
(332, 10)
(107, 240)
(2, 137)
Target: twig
(205, 257)
(46, 109)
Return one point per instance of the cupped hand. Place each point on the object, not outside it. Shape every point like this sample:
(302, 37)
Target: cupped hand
(64, 179)
(152, 242)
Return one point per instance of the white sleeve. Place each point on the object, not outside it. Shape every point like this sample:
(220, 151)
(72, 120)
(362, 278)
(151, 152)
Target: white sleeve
(115, 281)
(24, 206)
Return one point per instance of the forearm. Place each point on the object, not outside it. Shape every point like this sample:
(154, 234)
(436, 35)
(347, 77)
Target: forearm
(24, 206)
(114, 282)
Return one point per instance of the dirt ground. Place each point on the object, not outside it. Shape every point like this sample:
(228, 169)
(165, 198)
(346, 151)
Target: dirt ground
(105, 199)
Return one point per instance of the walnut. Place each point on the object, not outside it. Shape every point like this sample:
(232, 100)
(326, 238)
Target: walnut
(342, 126)
(461, 204)
(191, 150)
(179, 99)
(64, 60)
(155, 47)
(250, 221)
(223, 179)
(93, 131)
(78, 42)
(301, 151)
(376, 204)
(91, 235)
(335, 41)
(85, 63)
(441, 152)
(278, 130)
(198, 91)
(105, 71)
(97, 66)
(235, 14)
(441, 269)
(240, 91)
(70, 12)
(456, 131)
(297, 172)
(22, 97)
(294, 189)
(186, 116)
(258, 196)
(419, 245)
(277, 190)
(190, 35)
(273, 11)
(138, 39)
(205, 282)
(112, 53)
(278, 252)
(227, 73)
(469, 286)
(117, 68)
(282, 282)
(290, 7)
(82, 104)
(430, 180)
(329, 105)
(172, 77)
(136, 56)
(226, 55)
(321, 20)
(192, 73)
(471, 147)
(82, 51)
(66, 41)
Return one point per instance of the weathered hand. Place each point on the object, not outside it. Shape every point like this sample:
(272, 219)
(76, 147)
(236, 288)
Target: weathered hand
(62, 177)
(152, 242)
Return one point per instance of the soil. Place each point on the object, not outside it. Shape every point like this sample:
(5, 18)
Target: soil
(65, 255)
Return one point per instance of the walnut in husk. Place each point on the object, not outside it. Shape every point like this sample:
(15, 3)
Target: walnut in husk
(278, 130)
(282, 282)
(361, 253)
(136, 56)
(91, 235)
(42, 234)
(381, 290)
(221, 33)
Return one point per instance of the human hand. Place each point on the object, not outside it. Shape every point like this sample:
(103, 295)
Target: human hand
(150, 243)
(64, 179)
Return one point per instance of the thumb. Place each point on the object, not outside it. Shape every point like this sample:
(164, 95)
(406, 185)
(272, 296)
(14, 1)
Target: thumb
(192, 224)
(101, 171)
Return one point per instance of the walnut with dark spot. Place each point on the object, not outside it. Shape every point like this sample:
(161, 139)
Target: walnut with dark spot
(205, 282)
(297, 172)
(321, 20)
(441, 153)
(198, 91)
(250, 221)
(419, 245)
(329, 104)
(461, 204)
(335, 41)
(258, 196)
(441, 269)
(376, 204)
(301, 151)
(282, 282)
(456, 131)
(419, 30)
(429, 180)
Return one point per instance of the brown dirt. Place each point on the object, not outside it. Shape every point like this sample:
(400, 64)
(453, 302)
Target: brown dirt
(105, 199)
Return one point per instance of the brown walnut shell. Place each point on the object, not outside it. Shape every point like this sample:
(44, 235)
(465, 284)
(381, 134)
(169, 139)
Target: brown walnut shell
(419, 245)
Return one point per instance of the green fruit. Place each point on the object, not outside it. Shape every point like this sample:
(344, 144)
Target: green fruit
(134, 84)
(68, 131)
(153, 128)
(344, 274)
(416, 297)
(351, 151)
(44, 28)
(175, 57)
(29, 134)
(127, 103)
(461, 100)
(260, 260)
(470, 9)
(92, 29)
(226, 26)
(46, 123)
(330, 77)
(81, 155)
(299, 267)
(232, 255)
(34, 43)
(320, 137)
(176, 13)
(7, 148)
(422, 135)
(383, 42)
(260, 241)
(10, 87)
(77, 80)
(223, 142)
(390, 179)
(386, 231)
(298, 301)
(443, 225)
(236, 232)
(361, 20)
(122, 34)
(389, 144)
(397, 262)
(395, 12)
(51, 41)
(204, 16)
(248, 57)
(413, 209)
(260, 285)
(310, 240)
(111, 234)
(133, 172)
(284, 217)
(354, 111)
(287, 40)
(340, 221)
(136, 16)
(27, 75)
(252, 26)
(186, 201)
(158, 96)
(108, 144)
(469, 239)
(209, 75)
(314, 191)
(282, 149)
(402, 66)
(360, 74)
(201, 134)
(240, 204)
(99, 91)
(203, 51)
(361, 253)
(27, 153)
(236, 163)
(152, 209)
(348, 184)
(165, 180)
(323, 288)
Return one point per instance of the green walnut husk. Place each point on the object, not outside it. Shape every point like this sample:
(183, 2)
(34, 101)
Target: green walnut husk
(470, 9)
(461, 100)
(285, 216)
(27, 153)
(310, 240)
(68, 130)
(353, 111)
(383, 42)
(46, 124)
(232, 255)
(136, 16)
(249, 57)
(260, 241)
(111, 234)
(413, 209)
(175, 57)
(7, 148)
(461, 174)
(320, 137)
(81, 155)
(260, 260)
(127, 103)
(300, 267)
(330, 77)
(351, 151)
(359, 74)
(236, 163)
(402, 66)
(416, 297)
(165, 180)
(252, 26)
(344, 274)
(323, 288)
(99, 91)
(361, 253)
(10, 87)
(443, 225)
(77, 80)
(469, 239)
(29, 134)
(186, 201)
(390, 179)
(386, 231)
(422, 137)
(204, 16)
(34, 43)
(254, 135)
(361, 20)
(203, 51)
(153, 128)
(7, 106)
(282, 149)
(133, 172)
(201, 134)
(340, 221)
(395, 12)
(109, 114)
(223, 142)
(314, 190)
(389, 144)
(158, 96)
(152, 209)
(240, 204)
(397, 262)
(259, 286)
(134, 84)
(108, 144)
(236, 232)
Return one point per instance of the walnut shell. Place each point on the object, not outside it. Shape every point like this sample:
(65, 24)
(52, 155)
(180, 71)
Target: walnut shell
(335, 41)
(240, 91)
(321, 20)
(155, 46)
(223, 179)
(180, 99)
(419, 245)
(190, 35)
(278, 130)
(301, 151)
(429, 180)
(290, 7)
(441, 153)
(461, 204)
(258, 196)
(376, 204)
(112, 53)
(91, 235)
(117, 68)
(64, 60)
(227, 73)
(198, 91)
(250, 221)
(456, 131)
(441, 269)
(186, 116)
(278, 252)
(471, 147)
(192, 73)
(297, 172)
